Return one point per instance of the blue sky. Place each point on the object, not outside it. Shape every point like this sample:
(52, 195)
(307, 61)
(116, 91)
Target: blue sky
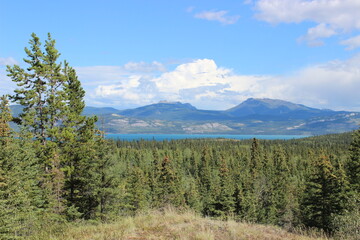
(212, 54)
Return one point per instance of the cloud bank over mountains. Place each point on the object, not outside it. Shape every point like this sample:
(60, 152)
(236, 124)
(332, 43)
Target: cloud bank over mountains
(206, 85)
(201, 82)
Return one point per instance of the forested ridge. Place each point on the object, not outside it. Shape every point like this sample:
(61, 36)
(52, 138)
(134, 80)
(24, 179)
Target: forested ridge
(59, 168)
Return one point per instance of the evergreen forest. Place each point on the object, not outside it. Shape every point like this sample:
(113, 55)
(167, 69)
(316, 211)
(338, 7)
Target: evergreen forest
(58, 168)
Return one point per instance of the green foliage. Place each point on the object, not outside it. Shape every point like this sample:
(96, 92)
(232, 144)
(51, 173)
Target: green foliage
(347, 225)
(171, 192)
(353, 165)
(61, 169)
(323, 197)
(138, 190)
(5, 118)
(21, 197)
(224, 202)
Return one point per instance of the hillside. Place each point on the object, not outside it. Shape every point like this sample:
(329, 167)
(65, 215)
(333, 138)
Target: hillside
(275, 107)
(253, 116)
(172, 225)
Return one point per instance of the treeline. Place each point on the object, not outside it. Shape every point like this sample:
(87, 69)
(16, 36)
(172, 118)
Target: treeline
(53, 169)
(59, 168)
(289, 185)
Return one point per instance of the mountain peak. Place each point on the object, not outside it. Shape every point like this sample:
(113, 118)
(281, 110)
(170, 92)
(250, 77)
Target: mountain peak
(269, 101)
(165, 103)
(161, 110)
(268, 106)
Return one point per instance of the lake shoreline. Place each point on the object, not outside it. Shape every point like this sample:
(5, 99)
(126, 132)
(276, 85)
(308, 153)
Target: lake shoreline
(162, 137)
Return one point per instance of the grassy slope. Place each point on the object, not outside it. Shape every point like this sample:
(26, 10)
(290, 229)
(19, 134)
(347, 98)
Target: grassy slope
(172, 225)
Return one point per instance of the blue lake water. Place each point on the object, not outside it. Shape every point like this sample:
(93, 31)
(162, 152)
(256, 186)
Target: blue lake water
(162, 137)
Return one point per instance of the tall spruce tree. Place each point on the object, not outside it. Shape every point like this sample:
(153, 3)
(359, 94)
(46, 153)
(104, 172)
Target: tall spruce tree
(255, 158)
(78, 142)
(323, 198)
(138, 190)
(31, 93)
(171, 189)
(41, 93)
(280, 186)
(52, 100)
(206, 182)
(5, 118)
(224, 204)
(353, 165)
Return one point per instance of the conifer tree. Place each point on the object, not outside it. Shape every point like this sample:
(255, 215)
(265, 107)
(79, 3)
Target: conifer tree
(171, 191)
(192, 195)
(349, 223)
(224, 204)
(21, 198)
(206, 182)
(5, 118)
(353, 165)
(32, 90)
(247, 196)
(137, 190)
(77, 138)
(322, 199)
(104, 177)
(280, 186)
(40, 93)
(255, 158)
(253, 185)
(154, 179)
(52, 100)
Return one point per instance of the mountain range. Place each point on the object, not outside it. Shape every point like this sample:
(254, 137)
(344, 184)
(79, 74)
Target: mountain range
(253, 116)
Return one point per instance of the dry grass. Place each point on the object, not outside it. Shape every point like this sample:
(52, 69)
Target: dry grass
(172, 225)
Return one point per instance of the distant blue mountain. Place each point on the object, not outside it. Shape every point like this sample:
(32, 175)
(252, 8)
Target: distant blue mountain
(100, 111)
(174, 111)
(270, 109)
(253, 116)
(274, 108)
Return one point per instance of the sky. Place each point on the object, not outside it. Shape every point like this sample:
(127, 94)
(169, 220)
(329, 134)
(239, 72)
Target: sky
(210, 53)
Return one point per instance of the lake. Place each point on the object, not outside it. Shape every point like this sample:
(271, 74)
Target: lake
(162, 137)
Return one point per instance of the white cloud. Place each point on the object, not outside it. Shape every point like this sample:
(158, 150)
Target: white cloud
(130, 91)
(206, 95)
(7, 86)
(202, 72)
(126, 85)
(219, 16)
(314, 34)
(206, 85)
(123, 88)
(331, 16)
(96, 75)
(202, 83)
(352, 43)
(7, 61)
(342, 14)
(331, 85)
(145, 67)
